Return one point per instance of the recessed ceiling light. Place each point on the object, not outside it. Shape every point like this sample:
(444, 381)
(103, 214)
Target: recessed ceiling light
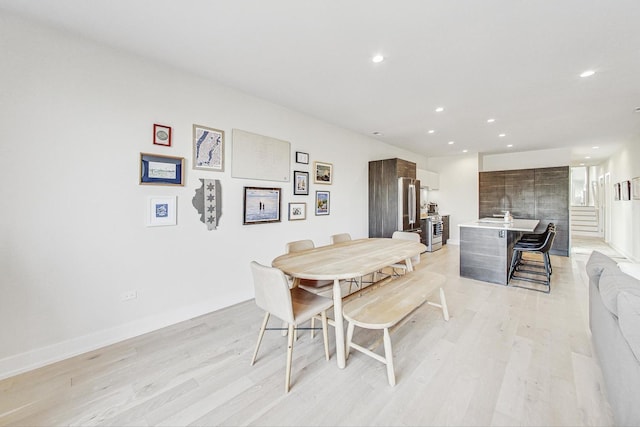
(587, 157)
(465, 151)
(510, 145)
(491, 120)
(377, 58)
(587, 73)
(376, 133)
(502, 135)
(431, 131)
(439, 109)
(451, 142)
(595, 147)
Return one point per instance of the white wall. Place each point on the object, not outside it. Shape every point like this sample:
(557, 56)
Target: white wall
(458, 193)
(525, 160)
(74, 117)
(625, 215)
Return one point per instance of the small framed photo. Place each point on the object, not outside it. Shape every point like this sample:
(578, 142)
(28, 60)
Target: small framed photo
(162, 135)
(297, 211)
(300, 183)
(261, 205)
(323, 173)
(208, 148)
(635, 188)
(625, 190)
(322, 203)
(302, 157)
(161, 211)
(156, 169)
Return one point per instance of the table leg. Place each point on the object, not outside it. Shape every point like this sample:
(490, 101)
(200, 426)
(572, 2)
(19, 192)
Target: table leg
(409, 264)
(339, 327)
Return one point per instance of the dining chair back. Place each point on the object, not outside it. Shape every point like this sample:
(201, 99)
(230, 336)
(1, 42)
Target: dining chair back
(338, 238)
(405, 235)
(292, 306)
(299, 245)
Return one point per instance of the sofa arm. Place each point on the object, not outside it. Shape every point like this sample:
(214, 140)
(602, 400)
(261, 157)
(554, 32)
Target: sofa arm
(629, 320)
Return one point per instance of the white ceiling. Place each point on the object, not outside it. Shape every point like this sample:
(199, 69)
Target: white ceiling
(517, 61)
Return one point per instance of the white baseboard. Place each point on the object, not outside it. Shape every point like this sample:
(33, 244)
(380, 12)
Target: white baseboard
(453, 242)
(39, 357)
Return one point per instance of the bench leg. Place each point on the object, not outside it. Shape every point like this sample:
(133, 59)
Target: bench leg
(325, 334)
(388, 355)
(350, 328)
(443, 302)
(442, 305)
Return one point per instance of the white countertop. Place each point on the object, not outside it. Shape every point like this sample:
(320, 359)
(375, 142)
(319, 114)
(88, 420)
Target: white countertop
(526, 225)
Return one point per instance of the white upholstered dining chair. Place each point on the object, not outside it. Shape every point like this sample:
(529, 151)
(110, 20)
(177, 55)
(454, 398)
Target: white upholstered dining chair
(358, 281)
(292, 306)
(401, 267)
(314, 286)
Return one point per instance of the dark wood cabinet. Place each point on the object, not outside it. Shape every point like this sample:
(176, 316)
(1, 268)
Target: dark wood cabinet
(383, 194)
(541, 194)
(445, 229)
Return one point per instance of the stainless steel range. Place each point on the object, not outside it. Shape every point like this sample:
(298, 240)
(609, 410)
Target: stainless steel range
(434, 233)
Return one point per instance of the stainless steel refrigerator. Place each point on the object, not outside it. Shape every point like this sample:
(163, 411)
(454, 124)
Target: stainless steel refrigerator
(408, 204)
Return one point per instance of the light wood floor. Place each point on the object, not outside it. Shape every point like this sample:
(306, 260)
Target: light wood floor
(508, 356)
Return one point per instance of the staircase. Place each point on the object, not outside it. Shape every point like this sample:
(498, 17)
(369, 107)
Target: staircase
(584, 221)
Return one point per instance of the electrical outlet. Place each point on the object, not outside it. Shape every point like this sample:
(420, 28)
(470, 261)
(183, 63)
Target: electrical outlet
(129, 295)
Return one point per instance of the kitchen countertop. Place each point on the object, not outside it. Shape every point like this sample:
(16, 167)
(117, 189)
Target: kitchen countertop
(526, 225)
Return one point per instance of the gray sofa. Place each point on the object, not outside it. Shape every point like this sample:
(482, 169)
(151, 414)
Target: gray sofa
(614, 319)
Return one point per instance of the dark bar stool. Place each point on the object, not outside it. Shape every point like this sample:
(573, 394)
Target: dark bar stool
(519, 264)
(537, 239)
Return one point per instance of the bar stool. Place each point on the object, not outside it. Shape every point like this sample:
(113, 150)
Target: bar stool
(518, 262)
(537, 239)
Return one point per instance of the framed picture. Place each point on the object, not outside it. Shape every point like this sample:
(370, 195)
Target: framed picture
(322, 203)
(297, 211)
(156, 169)
(635, 187)
(616, 191)
(161, 211)
(625, 190)
(208, 148)
(323, 173)
(302, 157)
(162, 135)
(261, 205)
(300, 183)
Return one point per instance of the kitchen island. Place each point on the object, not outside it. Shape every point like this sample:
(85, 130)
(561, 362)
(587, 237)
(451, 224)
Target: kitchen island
(486, 247)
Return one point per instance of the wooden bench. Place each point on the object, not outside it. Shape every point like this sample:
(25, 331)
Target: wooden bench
(387, 306)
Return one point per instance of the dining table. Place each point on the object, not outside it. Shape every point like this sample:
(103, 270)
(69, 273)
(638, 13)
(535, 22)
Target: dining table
(347, 260)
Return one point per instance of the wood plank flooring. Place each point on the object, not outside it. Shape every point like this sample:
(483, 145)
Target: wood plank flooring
(508, 356)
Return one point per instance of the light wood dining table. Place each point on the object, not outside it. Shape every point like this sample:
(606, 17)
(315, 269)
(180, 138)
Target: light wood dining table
(347, 260)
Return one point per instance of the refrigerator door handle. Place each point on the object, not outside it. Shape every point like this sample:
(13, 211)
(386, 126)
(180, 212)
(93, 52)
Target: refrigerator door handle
(412, 204)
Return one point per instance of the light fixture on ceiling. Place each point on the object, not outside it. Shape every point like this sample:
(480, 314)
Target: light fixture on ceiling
(377, 58)
(431, 131)
(510, 145)
(491, 120)
(465, 151)
(587, 157)
(587, 73)
(502, 135)
(595, 147)
(439, 109)
(451, 142)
